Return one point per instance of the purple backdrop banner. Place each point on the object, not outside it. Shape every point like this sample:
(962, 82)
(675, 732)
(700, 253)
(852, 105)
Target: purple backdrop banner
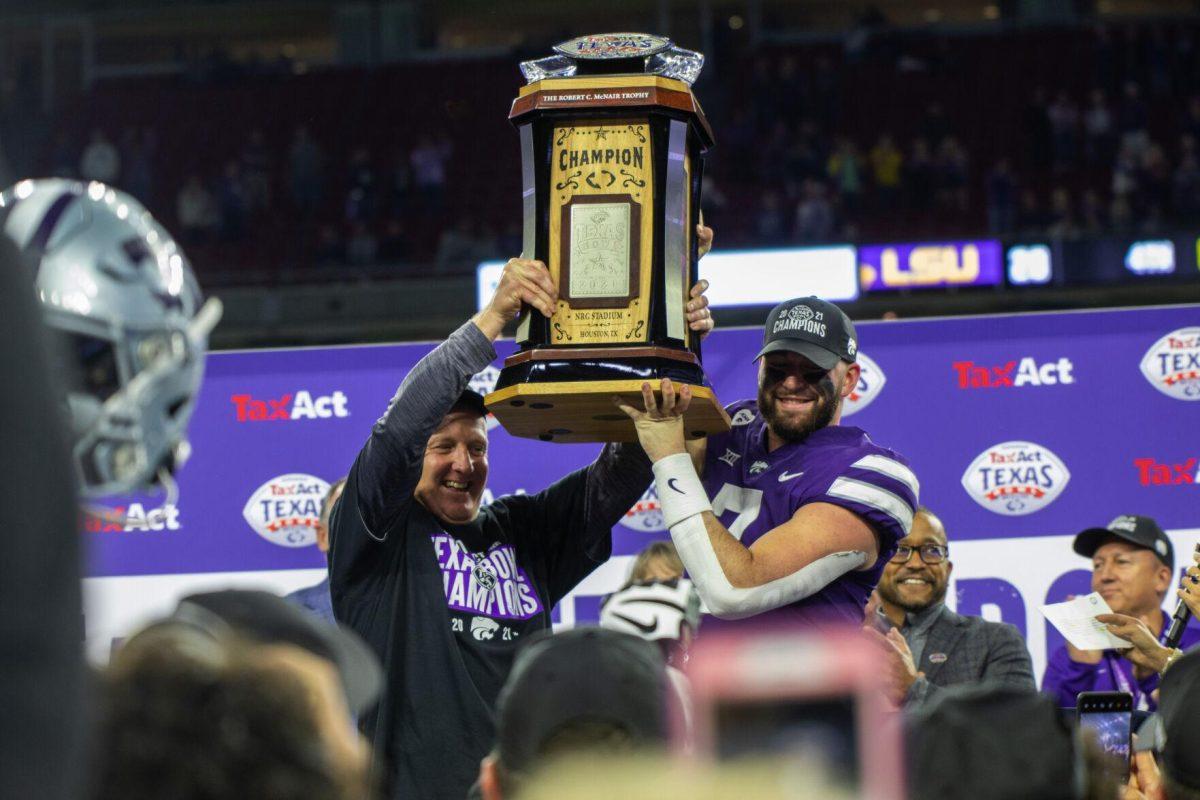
(928, 265)
(1018, 426)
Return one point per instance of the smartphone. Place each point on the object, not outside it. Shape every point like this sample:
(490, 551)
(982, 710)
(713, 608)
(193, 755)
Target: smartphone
(1110, 715)
(797, 698)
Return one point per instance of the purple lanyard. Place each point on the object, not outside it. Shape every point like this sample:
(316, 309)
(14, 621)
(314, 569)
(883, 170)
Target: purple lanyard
(1125, 682)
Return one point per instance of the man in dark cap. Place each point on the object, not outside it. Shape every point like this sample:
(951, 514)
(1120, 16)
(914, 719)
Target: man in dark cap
(994, 741)
(1133, 566)
(443, 587)
(790, 514)
(583, 691)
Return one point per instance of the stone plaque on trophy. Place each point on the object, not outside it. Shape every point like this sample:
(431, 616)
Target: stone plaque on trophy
(612, 147)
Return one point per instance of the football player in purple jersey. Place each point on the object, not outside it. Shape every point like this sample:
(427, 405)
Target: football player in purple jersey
(790, 513)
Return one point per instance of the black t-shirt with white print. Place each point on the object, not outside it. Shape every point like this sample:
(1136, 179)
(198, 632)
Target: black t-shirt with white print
(445, 607)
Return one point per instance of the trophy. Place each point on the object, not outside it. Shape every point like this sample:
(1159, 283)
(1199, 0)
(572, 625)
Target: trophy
(612, 146)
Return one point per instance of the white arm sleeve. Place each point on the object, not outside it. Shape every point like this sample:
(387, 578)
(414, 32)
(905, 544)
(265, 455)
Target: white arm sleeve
(683, 503)
(726, 601)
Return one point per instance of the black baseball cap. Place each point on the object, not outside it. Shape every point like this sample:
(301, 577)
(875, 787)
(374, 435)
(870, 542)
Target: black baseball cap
(813, 328)
(472, 401)
(1140, 531)
(1179, 708)
(583, 674)
(961, 744)
(269, 619)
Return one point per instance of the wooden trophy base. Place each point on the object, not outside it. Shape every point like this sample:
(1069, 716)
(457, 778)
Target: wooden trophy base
(565, 394)
(583, 411)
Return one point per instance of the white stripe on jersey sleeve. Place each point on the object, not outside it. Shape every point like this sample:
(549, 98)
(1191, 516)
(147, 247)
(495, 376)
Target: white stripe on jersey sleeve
(893, 469)
(875, 497)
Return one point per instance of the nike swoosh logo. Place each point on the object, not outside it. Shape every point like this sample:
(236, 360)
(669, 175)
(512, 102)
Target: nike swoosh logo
(671, 483)
(646, 629)
(786, 476)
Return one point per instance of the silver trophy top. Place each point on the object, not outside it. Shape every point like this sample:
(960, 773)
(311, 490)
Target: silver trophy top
(602, 46)
(660, 56)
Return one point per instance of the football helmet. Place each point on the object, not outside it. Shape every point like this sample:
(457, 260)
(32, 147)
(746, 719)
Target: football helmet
(131, 322)
(664, 612)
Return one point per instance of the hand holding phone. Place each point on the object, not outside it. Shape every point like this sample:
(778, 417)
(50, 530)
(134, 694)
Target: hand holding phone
(1110, 715)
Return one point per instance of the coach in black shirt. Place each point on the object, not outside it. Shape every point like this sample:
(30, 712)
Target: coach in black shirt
(443, 589)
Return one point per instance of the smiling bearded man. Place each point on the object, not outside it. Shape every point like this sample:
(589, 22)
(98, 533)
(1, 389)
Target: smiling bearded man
(790, 514)
(927, 644)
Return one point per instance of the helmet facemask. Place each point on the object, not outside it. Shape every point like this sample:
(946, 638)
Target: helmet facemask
(131, 328)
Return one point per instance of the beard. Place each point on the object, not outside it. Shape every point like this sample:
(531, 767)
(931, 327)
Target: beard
(887, 591)
(793, 429)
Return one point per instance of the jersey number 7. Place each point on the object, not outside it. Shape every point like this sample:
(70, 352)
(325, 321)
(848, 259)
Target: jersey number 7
(745, 502)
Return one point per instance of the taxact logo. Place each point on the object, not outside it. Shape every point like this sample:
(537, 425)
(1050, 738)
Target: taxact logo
(870, 384)
(133, 517)
(293, 406)
(1016, 478)
(286, 509)
(646, 514)
(1024, 372)
(1172, 364)
(1156, 473)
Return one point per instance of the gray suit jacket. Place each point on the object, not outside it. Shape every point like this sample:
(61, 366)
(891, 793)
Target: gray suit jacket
(970, 650)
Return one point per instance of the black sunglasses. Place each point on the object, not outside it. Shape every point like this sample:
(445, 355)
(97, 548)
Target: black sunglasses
(810, 376)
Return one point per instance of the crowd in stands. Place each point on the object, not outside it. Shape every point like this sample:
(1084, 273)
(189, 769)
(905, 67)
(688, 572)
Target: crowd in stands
(885, 135)
(1060, 134)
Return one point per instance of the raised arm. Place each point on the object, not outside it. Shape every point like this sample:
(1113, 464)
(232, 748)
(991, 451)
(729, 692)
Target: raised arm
(389, 465)
(817, 545)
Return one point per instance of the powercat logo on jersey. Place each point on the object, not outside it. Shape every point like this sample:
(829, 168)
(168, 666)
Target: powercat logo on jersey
(870, 384)
(1015, 478)
(646, 514)
(292, 406)
(1152, 472)
(484, 382)
(1172, 364)
(286, 509)
(1024, 372)
(133, 517)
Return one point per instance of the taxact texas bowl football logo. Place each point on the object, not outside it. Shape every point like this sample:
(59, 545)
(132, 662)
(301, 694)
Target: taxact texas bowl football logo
(1172, 364)
(613, 45)
(1015, 478)
(286, 509)
(801, 313)
(870, 384)
(646, 514)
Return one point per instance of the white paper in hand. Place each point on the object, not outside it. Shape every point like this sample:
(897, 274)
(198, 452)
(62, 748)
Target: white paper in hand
(1076, 620)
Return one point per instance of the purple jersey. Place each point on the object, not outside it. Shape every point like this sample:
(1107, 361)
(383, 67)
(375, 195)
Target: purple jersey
(753, 491)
